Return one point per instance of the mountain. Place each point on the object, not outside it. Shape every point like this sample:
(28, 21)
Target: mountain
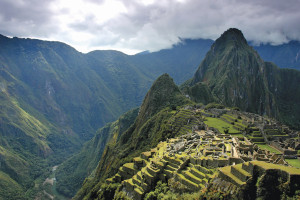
(238, 77)
(71, 173)
(148, 129)
(163, 93)
(177, 149)
(54, 98)
(201, 91)
(284, 55)
(180, 61)
(233, 74)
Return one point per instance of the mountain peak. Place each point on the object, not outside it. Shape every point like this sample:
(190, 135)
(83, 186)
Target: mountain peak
(232, 36)
(229, 68)
(233, 31)
(164, 92)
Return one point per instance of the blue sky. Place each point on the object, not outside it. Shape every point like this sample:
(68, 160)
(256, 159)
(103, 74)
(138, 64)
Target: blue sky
(132, 26)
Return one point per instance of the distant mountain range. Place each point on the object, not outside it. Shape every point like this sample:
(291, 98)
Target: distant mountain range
(284, 56)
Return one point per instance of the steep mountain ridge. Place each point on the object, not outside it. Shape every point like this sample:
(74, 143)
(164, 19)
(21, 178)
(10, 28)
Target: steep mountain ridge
(144, 133)
(237, 76)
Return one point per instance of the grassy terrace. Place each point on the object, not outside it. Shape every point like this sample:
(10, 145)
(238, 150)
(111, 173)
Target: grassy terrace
(227, 171)
(269, 148)
(220, 125)
(238, 135)
(240, 123)
(290, 170)
(129, 165)
(294, 162)
(241, 170)
(232, 118)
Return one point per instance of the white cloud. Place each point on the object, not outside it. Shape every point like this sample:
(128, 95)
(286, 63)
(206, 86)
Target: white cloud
(148, 25)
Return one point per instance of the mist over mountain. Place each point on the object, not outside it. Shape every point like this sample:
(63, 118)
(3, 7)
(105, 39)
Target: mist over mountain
(284, 56)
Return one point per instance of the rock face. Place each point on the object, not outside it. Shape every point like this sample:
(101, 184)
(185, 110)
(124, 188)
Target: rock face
(237, 76)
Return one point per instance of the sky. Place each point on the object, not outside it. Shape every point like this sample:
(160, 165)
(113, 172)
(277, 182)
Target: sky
(133, 26)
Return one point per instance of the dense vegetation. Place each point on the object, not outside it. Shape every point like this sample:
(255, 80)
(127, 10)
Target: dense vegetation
(71, 174)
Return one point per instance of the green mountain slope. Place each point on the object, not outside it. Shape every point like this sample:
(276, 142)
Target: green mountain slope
(54, 98)
(237, 76)
(195, 152)
(71, 174)
(145, 133)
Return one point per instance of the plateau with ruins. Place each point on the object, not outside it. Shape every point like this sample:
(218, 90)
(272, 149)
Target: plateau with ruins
(220, 149)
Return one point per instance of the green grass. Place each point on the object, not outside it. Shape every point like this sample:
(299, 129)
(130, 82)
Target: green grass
(187, 180)
(294, 162)
(227, 171)
(230, 117)
(241, 124)
(220, 125)
(238, 135)
(241, 170)
(291, 170)
(129, 165)
(228, 147)
(269, 148)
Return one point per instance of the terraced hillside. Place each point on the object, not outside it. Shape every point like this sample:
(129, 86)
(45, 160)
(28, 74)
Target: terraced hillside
(195, 162)
(205, 158)
(263, 180)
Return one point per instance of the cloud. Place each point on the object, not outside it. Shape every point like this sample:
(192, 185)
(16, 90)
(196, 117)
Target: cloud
(148, 24)
(25, 18)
